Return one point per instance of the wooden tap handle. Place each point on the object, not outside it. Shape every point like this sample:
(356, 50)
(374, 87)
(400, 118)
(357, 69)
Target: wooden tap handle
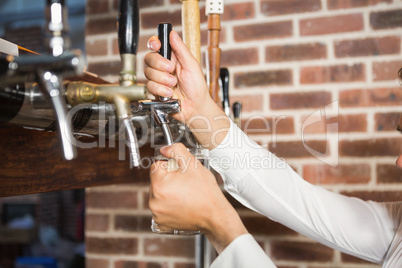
(213, 56)
(191, 27)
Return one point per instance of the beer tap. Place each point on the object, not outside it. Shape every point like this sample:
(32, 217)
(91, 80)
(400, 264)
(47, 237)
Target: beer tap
(120, 95)
(48, 71)
(160, 108)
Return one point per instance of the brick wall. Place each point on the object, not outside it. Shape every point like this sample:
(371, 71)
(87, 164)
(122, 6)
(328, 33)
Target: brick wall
(318, 84)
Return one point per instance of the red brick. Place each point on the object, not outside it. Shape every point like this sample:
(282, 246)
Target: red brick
(263, 31)
(341, 123)
(169, 247)
(184, 265)
(305, 100)
(325, 174)
(386, 121)
(301, 251)
(101, 25)
(238, 57)
(105, 68)
(378, 196)
(298, 149)
(368, 47)
(112, 200)
(260, 225)
(111, 245)
(97, 7)
(273, 8)
(98, 263)
(351, 259)
(132, 223)
(386, 70)
(263, 126)
(370, 97)
(386, 19)
(96, 48)
(389, 173)
(138, 264)
(338, 4)
(332, 74)
(371, 148)
(297, 52)
(151, 20)
(332, 25)
(263, 78)
(238, 11)
(96, 222)
(249, 103)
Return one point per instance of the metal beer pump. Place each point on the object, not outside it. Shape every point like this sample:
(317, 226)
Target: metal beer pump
(28, 105)
(127, 91)
(48, 71)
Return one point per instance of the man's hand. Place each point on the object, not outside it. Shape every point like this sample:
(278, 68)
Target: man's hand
(183, 79)
(190, 199)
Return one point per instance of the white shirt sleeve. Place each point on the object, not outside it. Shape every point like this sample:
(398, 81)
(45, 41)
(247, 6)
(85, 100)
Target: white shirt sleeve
(266, 184)
(243, 252)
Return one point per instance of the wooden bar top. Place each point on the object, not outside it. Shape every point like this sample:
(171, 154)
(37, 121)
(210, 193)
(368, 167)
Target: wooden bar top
(32, 161)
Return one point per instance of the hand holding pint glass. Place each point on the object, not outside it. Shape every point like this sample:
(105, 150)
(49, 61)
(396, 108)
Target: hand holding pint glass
(195, 158)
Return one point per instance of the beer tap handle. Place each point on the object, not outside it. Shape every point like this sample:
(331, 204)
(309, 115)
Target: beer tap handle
(237, 113)
(224, 79)
(164, 30)
(128, 26)
(128, 34)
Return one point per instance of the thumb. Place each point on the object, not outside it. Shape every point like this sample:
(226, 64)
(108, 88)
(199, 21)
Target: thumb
(179, 152)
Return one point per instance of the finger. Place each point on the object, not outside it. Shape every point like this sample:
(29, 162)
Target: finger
(181, 52)
(179, 152)
(158, 171)
(154, 43)
(156, 61)
(160, 77)
(158, 89)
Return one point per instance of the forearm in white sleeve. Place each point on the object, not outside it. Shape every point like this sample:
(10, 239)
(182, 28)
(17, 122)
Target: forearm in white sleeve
(243, 252)
(266, 184)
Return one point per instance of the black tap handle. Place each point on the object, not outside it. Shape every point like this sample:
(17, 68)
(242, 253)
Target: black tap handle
(164, 30)
(49, 2)
(224, 77)
(128, 26)
(236, 109)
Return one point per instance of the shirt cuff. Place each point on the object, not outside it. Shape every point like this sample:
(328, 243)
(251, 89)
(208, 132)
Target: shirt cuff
(244, 251)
